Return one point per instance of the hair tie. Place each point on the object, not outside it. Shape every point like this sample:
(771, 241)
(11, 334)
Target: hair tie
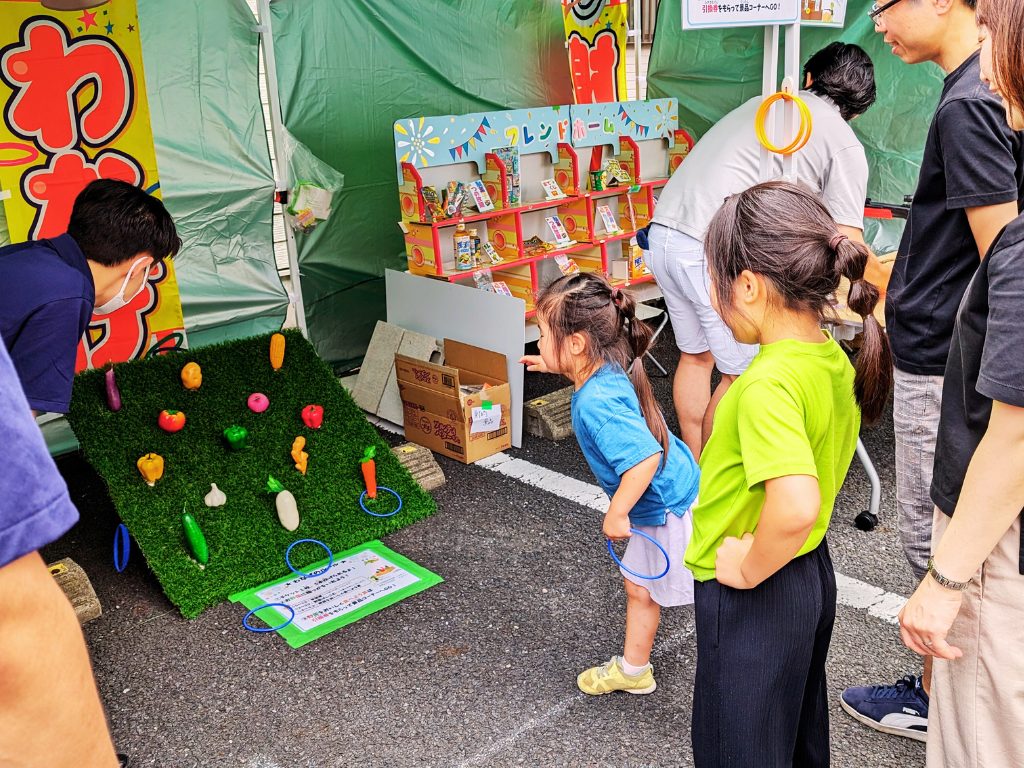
(617, 298)
(836, 239)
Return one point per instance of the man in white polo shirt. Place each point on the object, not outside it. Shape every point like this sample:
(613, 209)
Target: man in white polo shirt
(840, 84)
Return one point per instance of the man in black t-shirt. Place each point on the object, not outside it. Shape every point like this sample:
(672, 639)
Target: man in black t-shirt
(969, 612)
(972, 177)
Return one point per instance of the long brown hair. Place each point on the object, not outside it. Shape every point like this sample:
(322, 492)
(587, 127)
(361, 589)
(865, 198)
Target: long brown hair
(606, 318)
(783, 233)
(1004, 20)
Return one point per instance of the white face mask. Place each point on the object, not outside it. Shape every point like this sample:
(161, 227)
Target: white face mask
(119, 299)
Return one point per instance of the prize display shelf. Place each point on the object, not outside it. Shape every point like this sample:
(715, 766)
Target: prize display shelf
(599, 224)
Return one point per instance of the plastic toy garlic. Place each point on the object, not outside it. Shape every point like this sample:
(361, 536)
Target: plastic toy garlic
(216, 497)
(287, 509)
(151, 467)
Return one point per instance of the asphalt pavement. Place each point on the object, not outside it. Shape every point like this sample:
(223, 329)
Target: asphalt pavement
(478, 671)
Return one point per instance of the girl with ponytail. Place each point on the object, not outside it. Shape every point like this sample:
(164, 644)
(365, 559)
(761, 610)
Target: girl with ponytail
(780, 447)
(590, 333)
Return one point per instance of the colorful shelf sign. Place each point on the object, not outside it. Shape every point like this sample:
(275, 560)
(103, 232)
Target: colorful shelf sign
(594, 125)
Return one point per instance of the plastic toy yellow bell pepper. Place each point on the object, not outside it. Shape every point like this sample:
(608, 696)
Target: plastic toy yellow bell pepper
(192, 376)
(151, 467)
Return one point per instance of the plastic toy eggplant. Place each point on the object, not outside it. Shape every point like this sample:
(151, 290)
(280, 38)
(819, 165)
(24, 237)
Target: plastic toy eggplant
(113, 393)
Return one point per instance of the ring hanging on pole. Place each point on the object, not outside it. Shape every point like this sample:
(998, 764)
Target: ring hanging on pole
(251, 628)
(628, 570)
(803, 134)
(362, 503)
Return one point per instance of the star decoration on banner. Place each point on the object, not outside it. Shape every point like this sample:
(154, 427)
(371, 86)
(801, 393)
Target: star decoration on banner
(88, 19)
(110, 28)
(131, 27)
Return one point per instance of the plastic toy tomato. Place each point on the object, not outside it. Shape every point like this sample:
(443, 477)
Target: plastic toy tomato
(171, 421)
(313, 416)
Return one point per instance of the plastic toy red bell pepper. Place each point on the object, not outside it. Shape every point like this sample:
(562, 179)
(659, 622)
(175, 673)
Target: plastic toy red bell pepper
(369, 467)
(171, 421)
(313, 416)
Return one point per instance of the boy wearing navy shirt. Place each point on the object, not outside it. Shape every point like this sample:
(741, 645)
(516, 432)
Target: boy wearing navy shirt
(53, 287)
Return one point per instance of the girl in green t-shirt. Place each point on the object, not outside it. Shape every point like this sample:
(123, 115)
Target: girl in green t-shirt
(782, 442)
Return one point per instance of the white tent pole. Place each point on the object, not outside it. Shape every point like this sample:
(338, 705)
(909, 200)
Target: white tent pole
(637, 46)
(283, 181)
(769, 78)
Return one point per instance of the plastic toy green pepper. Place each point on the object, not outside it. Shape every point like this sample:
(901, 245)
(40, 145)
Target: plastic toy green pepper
(236, 437)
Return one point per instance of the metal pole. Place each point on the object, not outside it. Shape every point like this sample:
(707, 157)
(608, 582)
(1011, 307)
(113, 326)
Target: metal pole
(791, 82)
(283, 181)
(769, 77)
(637, 48)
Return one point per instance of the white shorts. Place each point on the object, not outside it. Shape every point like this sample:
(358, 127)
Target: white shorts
(677, 261)
(676, 586)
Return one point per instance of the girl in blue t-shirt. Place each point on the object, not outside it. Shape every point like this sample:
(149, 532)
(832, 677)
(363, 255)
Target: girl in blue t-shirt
(781, 445)
(590, 333)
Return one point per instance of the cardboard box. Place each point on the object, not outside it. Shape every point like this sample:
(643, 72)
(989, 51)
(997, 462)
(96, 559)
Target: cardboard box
(443, 417)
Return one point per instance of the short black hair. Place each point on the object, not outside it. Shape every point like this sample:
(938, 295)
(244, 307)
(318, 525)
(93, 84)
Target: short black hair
(112, 221)
(845, 74)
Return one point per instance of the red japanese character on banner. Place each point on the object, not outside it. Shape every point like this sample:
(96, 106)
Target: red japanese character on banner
(53, 188)
(46, 73)
(594, 67)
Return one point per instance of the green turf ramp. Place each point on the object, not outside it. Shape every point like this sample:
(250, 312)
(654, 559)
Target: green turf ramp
(246, 541)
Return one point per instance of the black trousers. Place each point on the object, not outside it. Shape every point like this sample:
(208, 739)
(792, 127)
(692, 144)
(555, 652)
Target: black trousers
(759, 700)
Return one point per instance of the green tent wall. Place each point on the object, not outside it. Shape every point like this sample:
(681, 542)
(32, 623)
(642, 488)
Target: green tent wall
(347, 69)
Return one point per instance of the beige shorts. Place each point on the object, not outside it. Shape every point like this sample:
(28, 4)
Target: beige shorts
(976, 712)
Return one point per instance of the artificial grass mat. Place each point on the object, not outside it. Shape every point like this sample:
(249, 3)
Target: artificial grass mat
(247, 543)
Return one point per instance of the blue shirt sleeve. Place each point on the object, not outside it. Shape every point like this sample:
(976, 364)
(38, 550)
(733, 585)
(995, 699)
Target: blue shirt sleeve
(624, 440)
(44, 353)
(35, 508)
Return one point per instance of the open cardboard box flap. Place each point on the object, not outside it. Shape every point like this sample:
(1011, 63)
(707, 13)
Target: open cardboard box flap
(491, 367)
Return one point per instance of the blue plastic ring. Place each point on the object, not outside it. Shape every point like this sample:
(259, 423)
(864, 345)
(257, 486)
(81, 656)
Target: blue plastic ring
(288, 558)
(635, 532)
(122, 552)
(251, 628)
(375, 514)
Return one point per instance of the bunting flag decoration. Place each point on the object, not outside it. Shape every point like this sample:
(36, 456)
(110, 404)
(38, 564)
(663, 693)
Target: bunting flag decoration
(641, 130)
(463, 149)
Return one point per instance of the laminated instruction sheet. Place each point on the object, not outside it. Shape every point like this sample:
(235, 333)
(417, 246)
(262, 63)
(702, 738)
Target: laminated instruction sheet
(361, 581)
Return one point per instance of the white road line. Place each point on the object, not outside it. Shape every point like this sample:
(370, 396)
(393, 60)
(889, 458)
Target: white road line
(851, 592)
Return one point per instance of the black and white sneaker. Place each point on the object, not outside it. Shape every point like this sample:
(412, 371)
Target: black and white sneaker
(900, 709)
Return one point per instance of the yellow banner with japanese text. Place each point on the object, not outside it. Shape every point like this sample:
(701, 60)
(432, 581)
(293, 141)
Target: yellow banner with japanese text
(74, 102)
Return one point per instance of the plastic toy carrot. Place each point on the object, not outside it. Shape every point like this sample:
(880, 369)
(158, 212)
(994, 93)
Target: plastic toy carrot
(370, 471)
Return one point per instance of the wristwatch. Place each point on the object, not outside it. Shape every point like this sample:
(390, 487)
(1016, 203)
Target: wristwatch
(956, 586)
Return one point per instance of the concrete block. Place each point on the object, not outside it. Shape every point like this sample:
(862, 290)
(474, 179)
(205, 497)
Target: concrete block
(76, 585)
(421, 464)
(550, 416)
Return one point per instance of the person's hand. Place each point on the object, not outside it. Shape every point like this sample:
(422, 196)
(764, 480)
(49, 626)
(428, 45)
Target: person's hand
(729, 561)
(534, 363)
(926, 618)
(616, 526)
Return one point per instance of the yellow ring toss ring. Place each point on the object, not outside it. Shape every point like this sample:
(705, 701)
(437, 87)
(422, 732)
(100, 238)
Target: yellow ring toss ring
(803, 134)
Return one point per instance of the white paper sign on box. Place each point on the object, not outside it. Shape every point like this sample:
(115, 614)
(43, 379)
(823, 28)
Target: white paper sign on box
(486, 419)
(711, 14)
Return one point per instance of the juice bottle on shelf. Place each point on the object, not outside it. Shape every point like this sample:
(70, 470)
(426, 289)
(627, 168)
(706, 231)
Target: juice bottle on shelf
(463, 245)
(474, 240)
